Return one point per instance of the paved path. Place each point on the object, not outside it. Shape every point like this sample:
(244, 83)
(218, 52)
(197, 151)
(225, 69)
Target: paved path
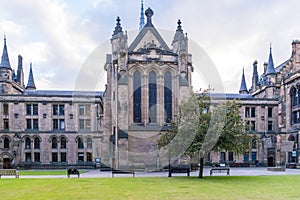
(252, 171)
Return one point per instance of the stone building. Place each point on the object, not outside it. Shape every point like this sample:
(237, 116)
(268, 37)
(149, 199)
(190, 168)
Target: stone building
(46, 127)
(146, 82)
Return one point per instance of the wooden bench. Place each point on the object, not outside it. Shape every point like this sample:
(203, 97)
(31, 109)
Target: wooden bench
(9, 172)
(123, 171)
(174, 170)
(73, 171)
(220, 170)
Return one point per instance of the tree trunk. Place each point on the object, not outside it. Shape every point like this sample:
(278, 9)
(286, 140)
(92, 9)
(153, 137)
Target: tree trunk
(201, 168)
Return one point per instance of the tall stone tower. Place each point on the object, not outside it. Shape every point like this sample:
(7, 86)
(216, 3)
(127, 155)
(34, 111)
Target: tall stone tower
(146, 82)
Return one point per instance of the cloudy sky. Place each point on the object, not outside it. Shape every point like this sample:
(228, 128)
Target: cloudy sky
(59, 36)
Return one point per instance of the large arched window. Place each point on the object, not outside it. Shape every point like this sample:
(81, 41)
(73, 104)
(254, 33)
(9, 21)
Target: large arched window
(54, 143)
(137, 97)
(168, 96)
(36, 143)
(80, 143)
(6, 143)
(152, 97)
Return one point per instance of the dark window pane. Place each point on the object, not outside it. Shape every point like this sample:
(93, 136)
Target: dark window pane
(35, 109)
(152, 97)
(6, 143)
(55, 109)
(168, 96)
(137, 97)
(61, 110)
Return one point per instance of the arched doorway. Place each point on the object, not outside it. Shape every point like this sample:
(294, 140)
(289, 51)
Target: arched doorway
(271, 159)
(6, 161)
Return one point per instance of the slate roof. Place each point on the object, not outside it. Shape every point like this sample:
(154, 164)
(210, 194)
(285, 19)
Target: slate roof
(4, 59)
(148, 27)
(30, 84)
(63, 93)
(243, 83)
(270, 67)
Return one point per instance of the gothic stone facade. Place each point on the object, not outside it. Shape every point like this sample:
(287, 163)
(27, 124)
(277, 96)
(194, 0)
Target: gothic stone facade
(146, 82)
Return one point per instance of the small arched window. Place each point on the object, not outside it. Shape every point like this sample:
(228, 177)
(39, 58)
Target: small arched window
(54, 143)
(36, 143)
(89, 143)
(80, 143)
(63, 143)
(27, 143)
(6, 143)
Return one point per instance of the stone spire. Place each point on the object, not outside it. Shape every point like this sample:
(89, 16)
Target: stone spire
(20, 73)
(4, 59)
(254, 77)
(243, 88)
(270, 67)
(142, 18)
(30, 84)
(149, 13)
(179, 33)
(118, 28)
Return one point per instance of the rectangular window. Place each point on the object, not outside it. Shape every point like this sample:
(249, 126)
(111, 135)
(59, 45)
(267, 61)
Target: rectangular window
(58, 124)
(88, 124)
(253, 156)
(270, 125)
(81, 124)
(5, 124)
(55, 109)
(246, 157)
(28, 122)
(81, 109)
(270, 112)
(80, 157)
(61, 110)
(34, 109)
(31, 109)
(63, 157)
(252, 126)
(37, 157)
(35, 124)
(58, 110)
(222, 157)
(54, 157)
(28, 109)
(252, 111)
(247, 112)
(28, 157)
(230, 156)
(32, 124)
(5, 109)
(84, 109)
(84, 124)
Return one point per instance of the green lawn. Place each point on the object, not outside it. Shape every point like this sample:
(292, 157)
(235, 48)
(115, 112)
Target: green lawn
(45, 172)
(218, 187)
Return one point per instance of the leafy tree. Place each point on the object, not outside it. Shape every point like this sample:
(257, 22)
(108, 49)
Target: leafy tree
(203, 127)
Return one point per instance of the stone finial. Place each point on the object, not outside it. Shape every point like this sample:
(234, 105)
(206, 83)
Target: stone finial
(149, 13)
(179, 28)
(118, 28)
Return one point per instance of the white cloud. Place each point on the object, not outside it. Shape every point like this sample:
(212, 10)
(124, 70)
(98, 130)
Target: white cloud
(59, 35)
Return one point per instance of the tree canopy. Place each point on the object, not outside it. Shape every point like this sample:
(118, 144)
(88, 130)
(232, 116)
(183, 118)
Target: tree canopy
(203, 126)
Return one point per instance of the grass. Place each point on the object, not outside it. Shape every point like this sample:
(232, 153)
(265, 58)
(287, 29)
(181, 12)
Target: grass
(45, 172)
(218, 187)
